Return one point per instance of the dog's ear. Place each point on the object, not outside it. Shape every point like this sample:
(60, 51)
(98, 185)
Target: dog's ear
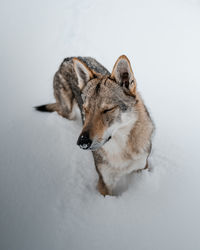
(122, 73)
(84, 74)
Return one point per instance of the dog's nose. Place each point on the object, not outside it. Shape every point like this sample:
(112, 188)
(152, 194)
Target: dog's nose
(84, 141)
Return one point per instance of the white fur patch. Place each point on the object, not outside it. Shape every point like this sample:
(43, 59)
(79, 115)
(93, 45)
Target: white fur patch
(119, 132)
(118, 165)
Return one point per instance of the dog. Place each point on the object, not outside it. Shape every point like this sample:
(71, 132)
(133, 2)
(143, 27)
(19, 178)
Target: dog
(117, 126)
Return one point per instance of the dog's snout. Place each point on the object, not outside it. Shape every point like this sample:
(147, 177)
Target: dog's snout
(84, 141)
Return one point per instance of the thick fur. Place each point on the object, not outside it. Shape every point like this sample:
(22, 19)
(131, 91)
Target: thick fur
(66, 90)
(115, 118)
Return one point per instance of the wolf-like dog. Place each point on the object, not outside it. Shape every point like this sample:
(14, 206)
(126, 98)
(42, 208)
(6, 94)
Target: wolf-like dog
(117, 126)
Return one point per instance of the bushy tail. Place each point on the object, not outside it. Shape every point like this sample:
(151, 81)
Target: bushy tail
(47, 108)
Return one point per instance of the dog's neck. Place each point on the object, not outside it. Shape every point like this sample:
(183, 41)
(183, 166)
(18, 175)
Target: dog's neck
(120, 135)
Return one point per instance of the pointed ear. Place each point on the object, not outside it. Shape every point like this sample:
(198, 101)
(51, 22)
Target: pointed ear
(84, 74)
(122, 73)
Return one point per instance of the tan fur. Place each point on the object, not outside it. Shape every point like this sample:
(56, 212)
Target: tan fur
(143, 127)
(117, 126)
(102, 187)
(95, 123)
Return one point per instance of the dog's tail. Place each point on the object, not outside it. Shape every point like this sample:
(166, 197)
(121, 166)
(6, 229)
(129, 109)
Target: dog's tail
(47, 107)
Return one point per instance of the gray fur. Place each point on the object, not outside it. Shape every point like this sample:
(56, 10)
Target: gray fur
(103, 101)
(66, 84)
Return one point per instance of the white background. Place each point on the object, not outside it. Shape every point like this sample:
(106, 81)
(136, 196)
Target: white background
(48, 198)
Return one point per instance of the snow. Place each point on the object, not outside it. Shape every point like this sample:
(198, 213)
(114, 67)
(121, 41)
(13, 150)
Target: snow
(48, 198)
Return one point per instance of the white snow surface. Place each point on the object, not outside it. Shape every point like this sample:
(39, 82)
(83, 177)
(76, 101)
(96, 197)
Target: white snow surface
(48, 196)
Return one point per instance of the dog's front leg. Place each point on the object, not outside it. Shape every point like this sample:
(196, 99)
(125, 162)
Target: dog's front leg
(108, 180)
(100, 164)
(102, 188)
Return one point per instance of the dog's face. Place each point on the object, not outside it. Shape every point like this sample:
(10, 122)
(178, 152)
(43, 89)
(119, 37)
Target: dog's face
(108, 102)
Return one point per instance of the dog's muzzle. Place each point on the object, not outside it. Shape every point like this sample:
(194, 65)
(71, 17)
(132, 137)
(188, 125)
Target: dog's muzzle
(84, 141)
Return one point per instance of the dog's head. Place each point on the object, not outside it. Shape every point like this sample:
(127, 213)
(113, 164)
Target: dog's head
(108, 102)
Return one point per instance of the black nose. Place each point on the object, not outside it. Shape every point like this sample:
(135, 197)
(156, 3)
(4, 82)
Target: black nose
(84, 141)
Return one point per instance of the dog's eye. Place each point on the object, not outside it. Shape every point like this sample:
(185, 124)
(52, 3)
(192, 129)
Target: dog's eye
(111, 109)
